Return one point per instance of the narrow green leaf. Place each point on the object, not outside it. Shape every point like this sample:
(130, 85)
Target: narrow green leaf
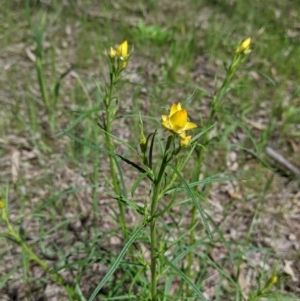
(8, 275)
(221, 271)
(55, 197)
(176, 241)
(138, 181)
(121, 182)
(140, 169)
(195, 138)
(72, 125)
(166, 208)
(186, 279)
(168, 287)
(189, 191)
(254, 154)
(188, 250)
(184, 84)
(120, 140)
(105, 151)
(151, 148)
(189, 98)
(90, 145)
(81, 117)
(201, 182)
(57, 84)
(116, 263)
(125, 297)
(129, 203)
(138, 115)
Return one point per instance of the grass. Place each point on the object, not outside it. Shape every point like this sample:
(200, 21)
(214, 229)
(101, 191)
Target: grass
(61, 200)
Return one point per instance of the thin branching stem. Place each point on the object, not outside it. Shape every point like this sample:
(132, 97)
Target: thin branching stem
(154, 204)
(110, 113)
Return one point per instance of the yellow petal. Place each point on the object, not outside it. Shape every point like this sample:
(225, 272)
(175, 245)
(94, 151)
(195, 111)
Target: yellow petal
(189, 126)
(179, 120)
(175, 108)
(123, 50)
(167, 125)
(112, 53)
(244, 46)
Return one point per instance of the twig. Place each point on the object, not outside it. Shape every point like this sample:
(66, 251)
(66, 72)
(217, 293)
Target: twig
(280, 159)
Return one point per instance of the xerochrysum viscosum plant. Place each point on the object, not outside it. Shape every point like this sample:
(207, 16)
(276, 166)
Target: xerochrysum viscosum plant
(177, 125)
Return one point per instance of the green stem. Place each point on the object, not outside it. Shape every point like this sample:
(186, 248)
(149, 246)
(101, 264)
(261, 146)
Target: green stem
(42, 84)
(109, 118)
(154, 203)
(154, 241)
(229, 74)
(153, 259)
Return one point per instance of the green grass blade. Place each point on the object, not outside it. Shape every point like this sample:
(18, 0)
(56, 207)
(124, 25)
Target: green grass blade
(140, 169)
(105, 151)
(91, 146)
(72, 125)
(205, 181)
(120, 140)
(116, 263)
(138, 181)
(186, 279)
(189, 191)
(195, 138)
(129, 203)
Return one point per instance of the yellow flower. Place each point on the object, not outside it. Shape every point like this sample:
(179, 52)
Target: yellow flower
(120, 52)
(244, 47)
(177, 122)
(185, 140)
(123, 50)
(112, 53)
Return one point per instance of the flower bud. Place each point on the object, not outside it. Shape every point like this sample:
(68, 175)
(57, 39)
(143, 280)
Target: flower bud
(244, 47)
